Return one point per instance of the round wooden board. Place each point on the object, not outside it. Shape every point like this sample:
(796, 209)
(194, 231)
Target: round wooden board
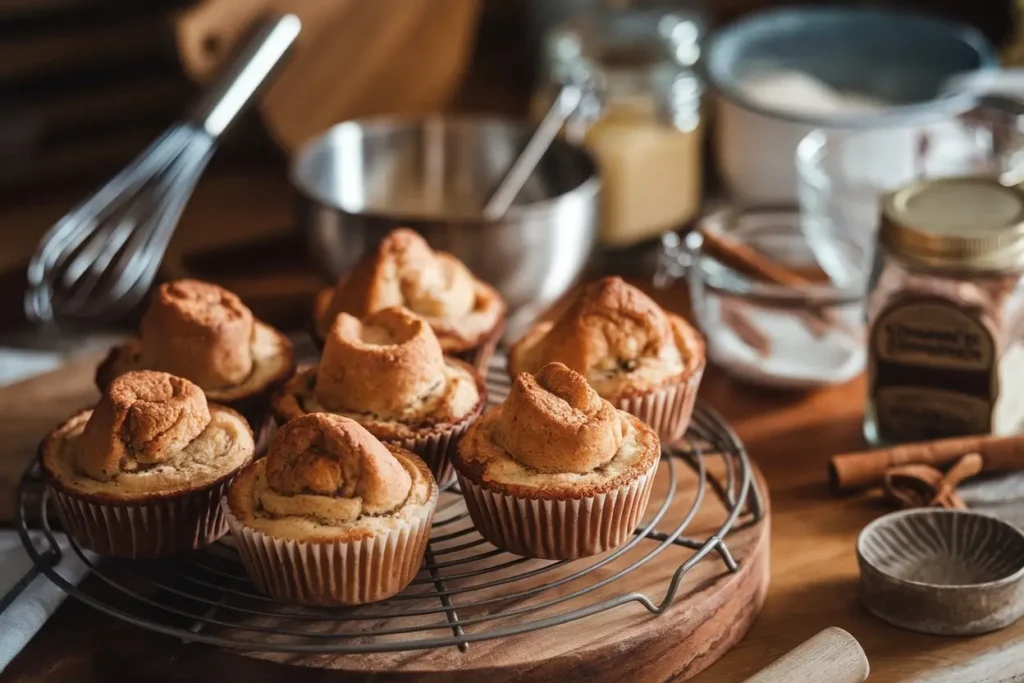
(711, 612)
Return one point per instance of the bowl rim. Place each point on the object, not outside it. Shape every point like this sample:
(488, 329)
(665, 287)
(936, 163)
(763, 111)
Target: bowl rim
(722, 80)
(888, 518)
(590, 187)
(722, 220)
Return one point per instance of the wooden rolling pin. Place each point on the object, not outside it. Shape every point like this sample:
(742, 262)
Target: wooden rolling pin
(831, 656)
(854, 471)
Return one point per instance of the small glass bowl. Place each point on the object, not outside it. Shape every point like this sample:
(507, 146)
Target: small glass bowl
(768, 334)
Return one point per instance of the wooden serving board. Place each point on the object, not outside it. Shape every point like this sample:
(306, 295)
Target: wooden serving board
(712, 610)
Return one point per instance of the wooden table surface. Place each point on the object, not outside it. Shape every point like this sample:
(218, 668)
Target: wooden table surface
(814, 571)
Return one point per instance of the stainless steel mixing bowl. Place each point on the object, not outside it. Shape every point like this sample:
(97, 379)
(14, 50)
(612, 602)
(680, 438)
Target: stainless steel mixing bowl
(363, 178)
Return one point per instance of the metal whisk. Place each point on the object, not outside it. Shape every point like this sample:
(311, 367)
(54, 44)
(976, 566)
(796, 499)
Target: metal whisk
(99, 260)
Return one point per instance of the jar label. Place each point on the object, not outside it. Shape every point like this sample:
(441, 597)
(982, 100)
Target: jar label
(931, 371)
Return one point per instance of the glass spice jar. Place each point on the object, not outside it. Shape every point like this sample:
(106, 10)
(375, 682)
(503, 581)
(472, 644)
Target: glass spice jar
(946, 313)
(647, 139)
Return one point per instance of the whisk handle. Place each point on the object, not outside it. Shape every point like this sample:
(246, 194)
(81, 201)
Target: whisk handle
(241, 80)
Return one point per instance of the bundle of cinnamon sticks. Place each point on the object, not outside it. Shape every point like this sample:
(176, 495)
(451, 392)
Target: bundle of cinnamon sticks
(964, 456)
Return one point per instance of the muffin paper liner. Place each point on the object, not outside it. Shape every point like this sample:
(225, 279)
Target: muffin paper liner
(437, 448)
(558, 529)
(337, 572)
(666, 410)
(255, 409)
(148, 529)
(480, 355)
(263, 436)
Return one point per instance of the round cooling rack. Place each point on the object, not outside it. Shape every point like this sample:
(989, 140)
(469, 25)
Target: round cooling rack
(466, 591)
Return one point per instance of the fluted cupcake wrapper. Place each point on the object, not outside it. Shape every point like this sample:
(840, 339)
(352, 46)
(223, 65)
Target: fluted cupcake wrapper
(558, 529)
(255, 410)
(148, 529)
(480, 355)
(264, 436)
(667, 410)
(333, 573)
(437, 448)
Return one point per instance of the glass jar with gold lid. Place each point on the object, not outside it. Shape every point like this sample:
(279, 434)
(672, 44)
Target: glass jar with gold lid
(946, 312)
(647, 137)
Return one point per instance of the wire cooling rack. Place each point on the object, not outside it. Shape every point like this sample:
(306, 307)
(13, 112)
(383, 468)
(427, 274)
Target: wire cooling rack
(467, 590)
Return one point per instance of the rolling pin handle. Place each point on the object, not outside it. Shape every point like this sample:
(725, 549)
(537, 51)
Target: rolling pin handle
(831, 656)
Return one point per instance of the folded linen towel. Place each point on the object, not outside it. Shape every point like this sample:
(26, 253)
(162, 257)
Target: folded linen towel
(37, 600)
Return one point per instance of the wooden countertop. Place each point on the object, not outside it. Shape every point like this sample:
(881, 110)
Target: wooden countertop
(790, 435)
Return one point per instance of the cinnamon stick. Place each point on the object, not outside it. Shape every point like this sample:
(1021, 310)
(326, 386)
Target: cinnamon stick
(854, 471)
(741, 325)
(912, 486)
(744, 259)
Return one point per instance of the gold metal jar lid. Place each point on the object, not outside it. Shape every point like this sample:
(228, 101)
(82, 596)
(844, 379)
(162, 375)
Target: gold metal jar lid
(971, 224)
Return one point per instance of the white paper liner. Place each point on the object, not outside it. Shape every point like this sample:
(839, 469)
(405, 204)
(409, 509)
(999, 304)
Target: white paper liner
(148, 529)
(333, 573)
(558, 529)
(666, 410)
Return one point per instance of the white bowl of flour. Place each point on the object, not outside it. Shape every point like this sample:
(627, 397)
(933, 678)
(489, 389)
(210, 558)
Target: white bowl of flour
(778, 75)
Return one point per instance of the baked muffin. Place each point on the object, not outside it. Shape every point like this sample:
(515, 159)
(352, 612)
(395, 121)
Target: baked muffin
(467, 316)
(387, 372)
(644, 360)
(557, 472)
(205, 334)
(142, 474)
(332, 516)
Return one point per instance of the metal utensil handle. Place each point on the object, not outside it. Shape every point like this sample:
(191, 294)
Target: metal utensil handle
(562, 108)
(242, 79)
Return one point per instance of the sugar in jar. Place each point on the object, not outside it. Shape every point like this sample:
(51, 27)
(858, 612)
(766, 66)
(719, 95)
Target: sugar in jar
(647, 141)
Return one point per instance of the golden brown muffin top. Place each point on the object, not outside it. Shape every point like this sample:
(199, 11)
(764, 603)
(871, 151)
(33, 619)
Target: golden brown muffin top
(142, 419)
(617, 337)
(555, 437)
(404, 271)
(329, 455)
(555, 422)
(150, 433)
(206, 334)
(386, 371)
(198, 330)
(327, 477)
(383, 364)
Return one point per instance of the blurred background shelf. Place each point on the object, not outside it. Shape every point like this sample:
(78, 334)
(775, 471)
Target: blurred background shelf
(86, 84)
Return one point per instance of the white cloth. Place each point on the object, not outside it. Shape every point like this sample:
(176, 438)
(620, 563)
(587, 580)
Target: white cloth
(19, 364)
(30, 610)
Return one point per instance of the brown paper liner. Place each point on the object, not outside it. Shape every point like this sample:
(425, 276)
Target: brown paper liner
(480, 355)
(264, 436)
(333, 573)
(255, 409)
(437, 447)
(667, 410)
(558, 529)
(157, 527)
